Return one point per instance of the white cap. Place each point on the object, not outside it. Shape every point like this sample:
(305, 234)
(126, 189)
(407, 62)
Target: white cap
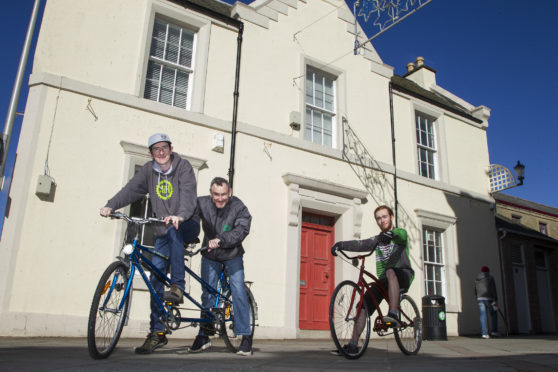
(158, 137)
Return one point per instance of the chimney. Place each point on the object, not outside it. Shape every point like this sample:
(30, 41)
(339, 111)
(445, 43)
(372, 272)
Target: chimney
(420, 73)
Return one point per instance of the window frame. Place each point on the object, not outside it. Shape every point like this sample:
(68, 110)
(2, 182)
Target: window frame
(437, 264)
(198, 24)
(432, 122)
(447, 226)
(543, 228)
(176, 67)
(335, 77)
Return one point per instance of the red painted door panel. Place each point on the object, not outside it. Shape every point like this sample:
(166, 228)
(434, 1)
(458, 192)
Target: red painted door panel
(316, 276)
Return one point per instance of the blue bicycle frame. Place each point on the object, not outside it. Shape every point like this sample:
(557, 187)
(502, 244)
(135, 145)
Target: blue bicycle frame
(136, 258)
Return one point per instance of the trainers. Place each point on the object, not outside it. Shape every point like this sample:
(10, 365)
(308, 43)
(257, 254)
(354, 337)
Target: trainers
(494, 334)
(153, 341)
(245, 347)
(392, 320)
(200, 344)
(348, 349)
(485, 336)
(174, 294)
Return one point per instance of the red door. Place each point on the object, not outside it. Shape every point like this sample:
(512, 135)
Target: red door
(316, 273)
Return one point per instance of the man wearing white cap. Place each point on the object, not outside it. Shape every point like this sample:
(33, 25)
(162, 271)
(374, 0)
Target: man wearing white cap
(171, 184)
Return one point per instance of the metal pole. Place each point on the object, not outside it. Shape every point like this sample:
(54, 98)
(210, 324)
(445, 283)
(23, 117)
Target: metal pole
(8, 126)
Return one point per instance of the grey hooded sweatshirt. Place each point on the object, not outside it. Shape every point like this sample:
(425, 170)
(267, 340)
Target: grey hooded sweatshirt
(173, 193)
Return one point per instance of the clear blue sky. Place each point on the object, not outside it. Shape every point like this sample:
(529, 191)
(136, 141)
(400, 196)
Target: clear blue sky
(499, 53)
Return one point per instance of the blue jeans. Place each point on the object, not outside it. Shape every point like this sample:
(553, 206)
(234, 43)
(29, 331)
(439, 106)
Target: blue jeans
(210, 271)
(483, 306)
(171, 245)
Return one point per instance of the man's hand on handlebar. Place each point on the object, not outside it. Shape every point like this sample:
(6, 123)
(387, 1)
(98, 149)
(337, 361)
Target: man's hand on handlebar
(213, 244)
(336, 247)
(105, 211)
(174, 220)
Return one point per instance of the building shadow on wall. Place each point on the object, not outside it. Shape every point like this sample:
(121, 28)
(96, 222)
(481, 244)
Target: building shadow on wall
(475, 245)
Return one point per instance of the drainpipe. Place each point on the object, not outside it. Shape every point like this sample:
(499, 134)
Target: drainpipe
(502, 278)
(235, 104)
(395, 209)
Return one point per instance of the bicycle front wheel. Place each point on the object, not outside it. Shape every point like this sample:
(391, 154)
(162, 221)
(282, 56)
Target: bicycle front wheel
(109, 311)
(409, 335)
(227, 322)
(344, 324)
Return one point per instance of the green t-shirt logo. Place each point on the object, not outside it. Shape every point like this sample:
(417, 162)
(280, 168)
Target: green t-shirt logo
(164, 189)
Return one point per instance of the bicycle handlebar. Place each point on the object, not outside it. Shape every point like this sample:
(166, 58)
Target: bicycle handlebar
(135, 220)
(357, 256)
(195, 252)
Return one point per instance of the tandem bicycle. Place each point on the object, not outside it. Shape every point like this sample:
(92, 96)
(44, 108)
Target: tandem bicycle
(112, 300)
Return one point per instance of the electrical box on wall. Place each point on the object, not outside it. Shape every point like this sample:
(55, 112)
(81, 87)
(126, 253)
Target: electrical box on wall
(45, 185)
(294, 120)
(218, 144)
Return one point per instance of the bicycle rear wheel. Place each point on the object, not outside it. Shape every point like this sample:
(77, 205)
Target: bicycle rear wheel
(409, 335)
(227, 322)
(109, 311)
(343, 323)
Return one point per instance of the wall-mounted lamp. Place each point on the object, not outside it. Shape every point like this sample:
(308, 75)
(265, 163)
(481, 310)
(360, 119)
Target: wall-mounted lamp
(501, 178)
(520, 172)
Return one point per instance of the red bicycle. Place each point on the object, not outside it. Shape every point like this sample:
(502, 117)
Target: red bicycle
(349, 321)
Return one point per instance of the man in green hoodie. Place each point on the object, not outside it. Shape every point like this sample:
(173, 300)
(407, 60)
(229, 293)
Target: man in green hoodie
(171, 184)
(393, 268)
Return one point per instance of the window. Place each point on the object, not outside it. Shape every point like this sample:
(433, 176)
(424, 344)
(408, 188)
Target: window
(433, 261)
(426, 146)
(320, 108)
(516, 218)
(542, 228)
(170, 68)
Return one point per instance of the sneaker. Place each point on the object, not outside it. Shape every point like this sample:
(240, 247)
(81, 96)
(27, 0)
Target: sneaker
(153, 341)
(392, 320)
(494, 334)
(245, 347)
(174, 294)
(200, 344)
(348, 349)
(485, 336)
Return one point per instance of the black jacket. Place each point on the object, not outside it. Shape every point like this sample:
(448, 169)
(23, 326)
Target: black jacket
(231, 224)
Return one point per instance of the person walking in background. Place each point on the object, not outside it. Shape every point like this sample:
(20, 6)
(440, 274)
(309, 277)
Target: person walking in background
(487, 299)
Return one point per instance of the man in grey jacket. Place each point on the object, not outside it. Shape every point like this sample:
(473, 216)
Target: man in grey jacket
(225, 222)
(485, 290)
(171, 184)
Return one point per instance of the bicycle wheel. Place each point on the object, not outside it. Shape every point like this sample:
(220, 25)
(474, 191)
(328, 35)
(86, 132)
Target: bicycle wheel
(409, 335)
(342, 322)
(106, 317)
(227, 322)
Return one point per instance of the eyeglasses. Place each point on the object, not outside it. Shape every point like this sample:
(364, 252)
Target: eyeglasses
(160, 149)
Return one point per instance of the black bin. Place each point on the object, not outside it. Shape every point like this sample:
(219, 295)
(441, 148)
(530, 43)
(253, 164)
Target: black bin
(434, 318)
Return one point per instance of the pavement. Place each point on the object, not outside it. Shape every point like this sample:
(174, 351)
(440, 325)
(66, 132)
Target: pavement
(514, 353)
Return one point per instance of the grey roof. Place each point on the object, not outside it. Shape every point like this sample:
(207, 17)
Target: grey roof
(401, 84)
(527, 204)
(215, 8)
(504, 223)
